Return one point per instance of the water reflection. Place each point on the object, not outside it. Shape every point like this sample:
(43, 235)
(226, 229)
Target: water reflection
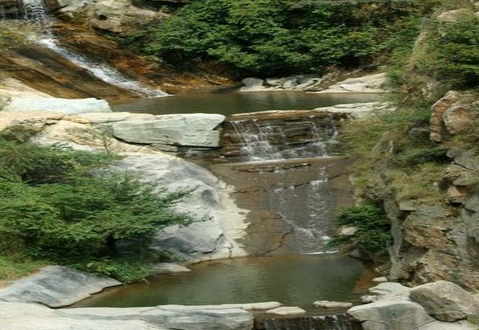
(231, 103)
(291, 279)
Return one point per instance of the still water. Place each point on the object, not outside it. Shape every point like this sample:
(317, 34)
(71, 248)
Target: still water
(231, 103)
(290, 279)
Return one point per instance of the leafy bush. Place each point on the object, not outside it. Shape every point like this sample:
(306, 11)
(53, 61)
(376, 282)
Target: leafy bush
(61, 205)
(372, 234)
(279, 36)
(458, 52)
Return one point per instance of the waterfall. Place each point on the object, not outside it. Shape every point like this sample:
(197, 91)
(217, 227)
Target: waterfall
(266, 140)
(329, 322)
(35, 11)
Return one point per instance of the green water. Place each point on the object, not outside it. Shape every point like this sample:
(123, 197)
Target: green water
(289, 279)
(231, 103)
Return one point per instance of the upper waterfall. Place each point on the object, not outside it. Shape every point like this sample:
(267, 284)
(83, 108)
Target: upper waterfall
(35, 11)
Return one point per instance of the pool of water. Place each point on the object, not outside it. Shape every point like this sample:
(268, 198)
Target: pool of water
(231, 103)
(290, 279)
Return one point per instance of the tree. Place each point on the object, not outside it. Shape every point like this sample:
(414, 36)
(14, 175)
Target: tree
(64, 206)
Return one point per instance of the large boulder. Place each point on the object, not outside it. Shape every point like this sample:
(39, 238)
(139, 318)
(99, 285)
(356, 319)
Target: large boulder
(445, 301)
(119, 16)
(221, 223)
(199, 130)
(366, 84)
(68, 106)
(56, 286)
(387, 315)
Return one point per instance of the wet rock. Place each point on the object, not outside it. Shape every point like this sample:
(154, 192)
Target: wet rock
(445, 301)
(69, 106)
(56, 286)
(252, 84)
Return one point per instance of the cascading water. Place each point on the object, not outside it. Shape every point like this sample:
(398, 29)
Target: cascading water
(34, 11)
(330, 322)
(290, 157)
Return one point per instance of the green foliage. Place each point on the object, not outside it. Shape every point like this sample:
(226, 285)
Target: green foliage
(280, 36)
(61, 205)
(372, 234)
(458, 52)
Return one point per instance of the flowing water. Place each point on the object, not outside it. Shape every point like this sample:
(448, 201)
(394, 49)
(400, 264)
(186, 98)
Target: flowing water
(35, 11)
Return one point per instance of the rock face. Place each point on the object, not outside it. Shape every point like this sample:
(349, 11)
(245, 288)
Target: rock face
(119, 16)
(56, 286)
(445, 301)
(69, 106)
(366, 84)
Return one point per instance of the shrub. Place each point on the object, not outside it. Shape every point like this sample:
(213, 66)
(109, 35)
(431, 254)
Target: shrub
(62, 205)
(372, 234)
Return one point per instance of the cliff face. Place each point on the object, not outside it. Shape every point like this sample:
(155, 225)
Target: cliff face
(433, 207)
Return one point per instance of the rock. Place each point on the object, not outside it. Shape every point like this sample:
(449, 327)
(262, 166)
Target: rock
(386, 315)
(359, 110)
(332, 304)
(382, 279)
(365, 84)
(16, 316)
(252, 84)
(458, 118)
(69, 106)
(168, 268)
(113, 117)
(452, 15)
(286, 310)
(368, 299)
(437, 325)
(214, 237)
(390, 289)
(445, 301)
(119, 16)
(198, 130)
(171, 317)
(56, 286)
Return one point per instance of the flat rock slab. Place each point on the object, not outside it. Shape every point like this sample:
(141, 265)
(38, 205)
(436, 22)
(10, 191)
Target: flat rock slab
(56, 286)
(168, 268)
(332, 304)
(286, 310)
(68, 106)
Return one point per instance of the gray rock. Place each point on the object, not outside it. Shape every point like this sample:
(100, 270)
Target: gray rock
(365, 84)
(437, 325)
(196, 130)
(168, 268)
(359, 110)
(252, 82)
(16, 316)
(286, 310)
(332, 304)
(389, 289)
(387, 315)
(68, 106)
(445, 301)
(56, 286)
(202, 240)
(171, 317)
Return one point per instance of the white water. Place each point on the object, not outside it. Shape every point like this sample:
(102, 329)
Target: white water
(35, 12)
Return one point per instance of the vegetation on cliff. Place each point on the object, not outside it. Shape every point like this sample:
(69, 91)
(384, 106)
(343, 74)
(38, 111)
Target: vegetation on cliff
(60, 205)
(278, 37)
